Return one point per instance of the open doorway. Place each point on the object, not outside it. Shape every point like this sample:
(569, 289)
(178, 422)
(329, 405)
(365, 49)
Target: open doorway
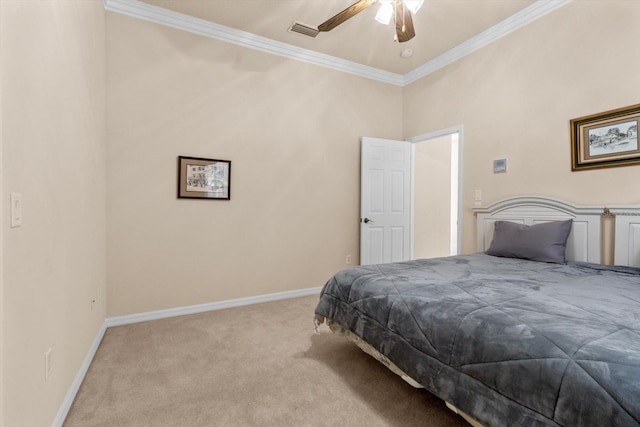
(436, 193)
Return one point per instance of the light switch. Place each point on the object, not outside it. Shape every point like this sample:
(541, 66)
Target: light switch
(16, 209)
(477, 198)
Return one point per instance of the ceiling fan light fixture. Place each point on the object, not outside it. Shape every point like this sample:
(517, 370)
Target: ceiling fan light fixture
(399, 10)
(413, 5)
(384, 13)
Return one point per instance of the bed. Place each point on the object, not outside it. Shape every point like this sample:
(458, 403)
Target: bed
(507, 337)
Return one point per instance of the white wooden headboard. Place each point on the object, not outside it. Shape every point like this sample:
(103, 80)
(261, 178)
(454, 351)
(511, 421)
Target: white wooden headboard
(584, 243)
(627, 236)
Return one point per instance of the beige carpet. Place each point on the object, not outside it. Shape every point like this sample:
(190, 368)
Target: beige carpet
(258, 365)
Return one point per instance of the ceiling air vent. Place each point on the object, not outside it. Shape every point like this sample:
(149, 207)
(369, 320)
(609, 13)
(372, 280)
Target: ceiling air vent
(303, 29)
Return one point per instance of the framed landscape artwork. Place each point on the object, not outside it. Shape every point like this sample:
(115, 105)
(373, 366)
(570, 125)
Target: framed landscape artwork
(606, 139)
(200, 178)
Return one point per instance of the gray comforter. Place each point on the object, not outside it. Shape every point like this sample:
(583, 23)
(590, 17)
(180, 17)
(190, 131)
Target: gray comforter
(510, 342)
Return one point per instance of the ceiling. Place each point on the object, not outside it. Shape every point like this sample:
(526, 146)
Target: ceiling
(440, 26)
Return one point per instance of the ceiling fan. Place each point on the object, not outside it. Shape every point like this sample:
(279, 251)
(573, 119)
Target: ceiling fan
(399, 10)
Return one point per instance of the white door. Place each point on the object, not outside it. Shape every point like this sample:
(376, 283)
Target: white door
(385, 205)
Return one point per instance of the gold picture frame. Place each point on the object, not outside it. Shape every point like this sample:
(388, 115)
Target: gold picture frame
(605, 140)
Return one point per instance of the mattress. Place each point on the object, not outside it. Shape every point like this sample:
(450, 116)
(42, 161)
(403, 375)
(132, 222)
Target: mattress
(508, 341)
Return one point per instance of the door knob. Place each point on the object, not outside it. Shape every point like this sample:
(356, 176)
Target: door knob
(367, 220)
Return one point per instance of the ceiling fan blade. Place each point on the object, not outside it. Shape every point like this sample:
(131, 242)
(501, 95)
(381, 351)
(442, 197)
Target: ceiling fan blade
(404, 23)
(349, 12)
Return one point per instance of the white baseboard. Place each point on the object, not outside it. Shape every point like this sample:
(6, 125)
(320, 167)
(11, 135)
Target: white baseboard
(163, 314)
(77, 381)
(201, 308)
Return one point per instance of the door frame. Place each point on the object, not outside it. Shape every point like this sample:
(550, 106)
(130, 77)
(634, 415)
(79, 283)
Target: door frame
(2, 205)
(459, 129)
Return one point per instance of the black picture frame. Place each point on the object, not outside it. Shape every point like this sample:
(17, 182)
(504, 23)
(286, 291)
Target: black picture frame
(201, 178)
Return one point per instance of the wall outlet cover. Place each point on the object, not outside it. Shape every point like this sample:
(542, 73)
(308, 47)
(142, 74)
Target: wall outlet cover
(16, 209)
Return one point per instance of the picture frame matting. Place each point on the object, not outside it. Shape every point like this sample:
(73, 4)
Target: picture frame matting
(202, 178)
(607, 139)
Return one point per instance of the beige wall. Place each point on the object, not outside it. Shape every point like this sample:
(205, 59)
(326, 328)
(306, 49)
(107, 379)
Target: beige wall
(53, 84)
(432, 198)
(516, 96)
(292, 132)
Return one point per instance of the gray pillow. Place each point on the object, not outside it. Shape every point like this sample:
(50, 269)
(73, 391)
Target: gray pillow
(540, 242)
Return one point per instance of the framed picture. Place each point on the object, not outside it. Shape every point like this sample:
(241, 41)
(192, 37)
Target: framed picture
(606, 139)
(204, 178)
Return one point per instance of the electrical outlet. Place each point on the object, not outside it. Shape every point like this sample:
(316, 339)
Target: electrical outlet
(16, 209)
(348, 260)
(47, 363)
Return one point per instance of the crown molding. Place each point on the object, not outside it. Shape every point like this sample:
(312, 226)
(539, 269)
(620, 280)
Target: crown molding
(158, 15)
(527, 15)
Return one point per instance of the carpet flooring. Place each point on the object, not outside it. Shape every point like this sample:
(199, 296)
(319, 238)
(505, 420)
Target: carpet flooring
(258, 365)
